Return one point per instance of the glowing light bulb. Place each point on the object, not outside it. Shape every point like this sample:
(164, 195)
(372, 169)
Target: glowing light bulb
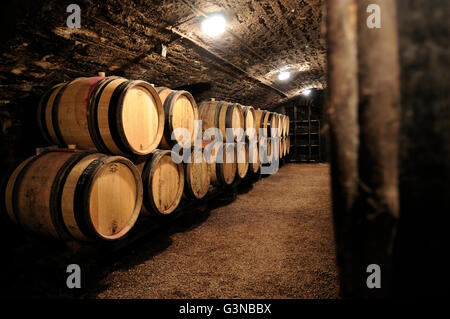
(284, 75)
(306, 92)
(214, 25)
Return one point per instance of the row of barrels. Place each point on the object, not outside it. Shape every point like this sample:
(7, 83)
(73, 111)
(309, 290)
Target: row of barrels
(222, 115)
(87, 196)
(124, 165)
(123, 117)
(115, 115)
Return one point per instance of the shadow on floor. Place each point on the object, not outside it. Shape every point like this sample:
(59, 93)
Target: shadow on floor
(34, 267)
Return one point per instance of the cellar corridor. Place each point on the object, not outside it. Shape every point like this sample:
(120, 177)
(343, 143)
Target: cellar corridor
(99, 98)
(273, 241)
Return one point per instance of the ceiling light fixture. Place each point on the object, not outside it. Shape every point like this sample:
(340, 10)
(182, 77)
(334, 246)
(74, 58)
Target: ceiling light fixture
(284, 75)
(214, 25)
(306, 92)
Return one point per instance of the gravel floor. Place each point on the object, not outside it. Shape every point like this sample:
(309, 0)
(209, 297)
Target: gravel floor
(273, 241)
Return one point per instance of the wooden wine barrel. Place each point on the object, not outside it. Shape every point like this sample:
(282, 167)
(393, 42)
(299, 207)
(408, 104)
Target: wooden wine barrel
(242, 160)
(288, 144)
(112, 114)
(259, 121)
(75, 195)
(281, 147)
(280, 124)
(180, 111)
(284, 146)
(222, 174)
(268, 123)
(45, 114)
(163, 182)
(281, 121)
(276, 143)
(287, 126)
(283, 124)
(272, 123)
(197, 176)
(222, 115)
(250, 121)
(254, 160)
(265, 146)
(269, 150)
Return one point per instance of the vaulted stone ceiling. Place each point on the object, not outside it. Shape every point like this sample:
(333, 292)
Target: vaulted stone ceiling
(125, 37)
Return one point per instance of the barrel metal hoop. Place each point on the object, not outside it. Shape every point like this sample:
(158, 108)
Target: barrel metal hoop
(217, 120)
(168, 114)
(160, 89)
(42, 123)
(58, 188)
(229, 115)
(80, 202)
(93, 127)
(115, 117)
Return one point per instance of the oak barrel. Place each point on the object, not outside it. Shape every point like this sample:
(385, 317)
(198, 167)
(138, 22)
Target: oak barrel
(270, 150)
(197, 176)
(288, 144)
(281, 147)
(242, 160)
(222, 173)
(69, 194)
(287, 125)
(222, 115)
(112, 114)
(249, 121)
(284, 125)
(268, 123)
(267, 150)
(180, 111)
(163, 182)
(272, 124)
(253, 157)
(259, 121)
(280, 124)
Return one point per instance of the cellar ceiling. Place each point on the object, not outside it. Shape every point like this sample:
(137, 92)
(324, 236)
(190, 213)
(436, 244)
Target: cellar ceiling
(125, 38)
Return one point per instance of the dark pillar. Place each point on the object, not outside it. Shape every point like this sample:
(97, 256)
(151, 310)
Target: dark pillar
(342, 110)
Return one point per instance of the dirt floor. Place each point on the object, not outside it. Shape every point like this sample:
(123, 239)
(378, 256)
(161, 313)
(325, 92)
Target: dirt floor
(274, 241)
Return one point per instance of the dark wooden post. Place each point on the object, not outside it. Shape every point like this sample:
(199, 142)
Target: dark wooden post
(379, 108)
(342, 112)
(363, 108)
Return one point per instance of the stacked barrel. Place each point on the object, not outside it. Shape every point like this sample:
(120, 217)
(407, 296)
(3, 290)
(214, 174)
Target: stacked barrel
(115, 156)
